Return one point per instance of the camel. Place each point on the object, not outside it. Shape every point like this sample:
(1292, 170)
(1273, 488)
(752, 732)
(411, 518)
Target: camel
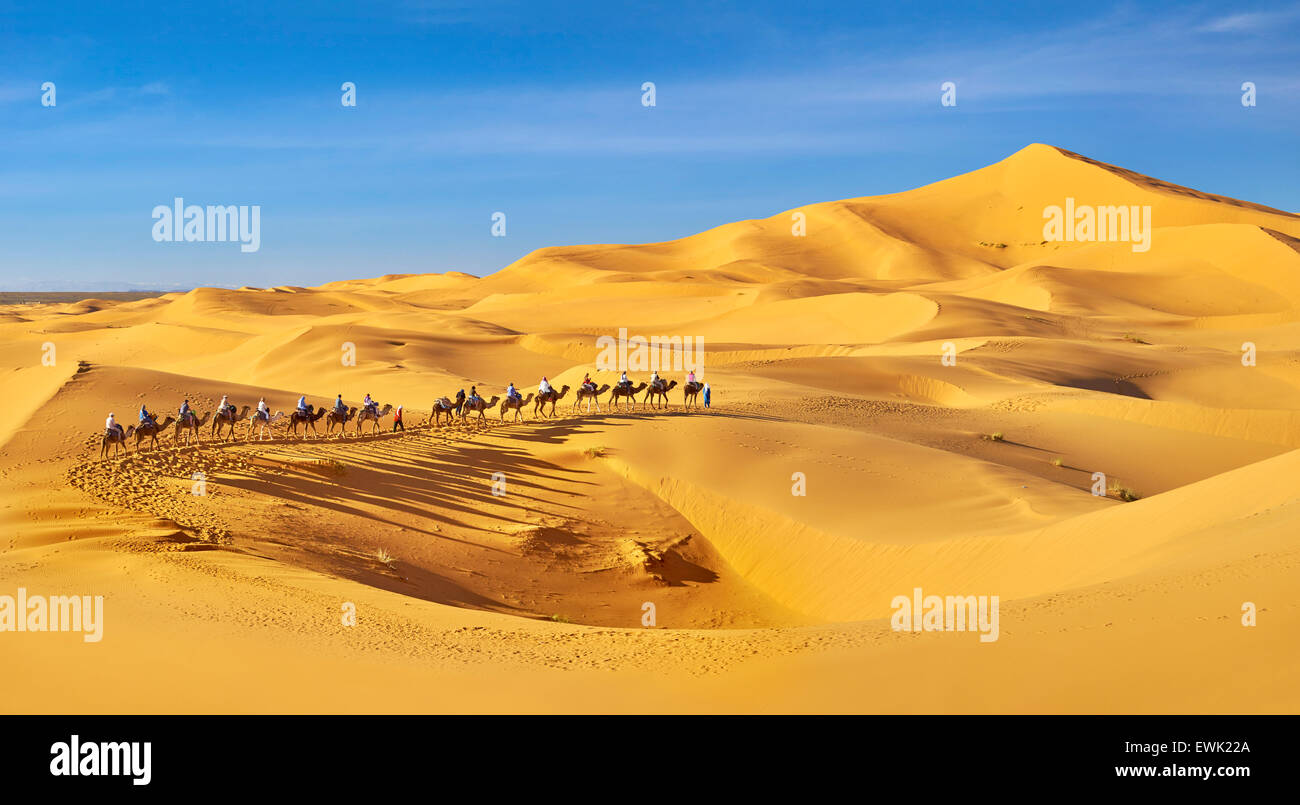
(443, 406)
(623, 391)
(366, 415)
(552, 397)
(150, 431)
(221, 419)
(659, 389)
(117, 438)
(340, 418)
(480, 405)
(515, 403)
(307, 419)
(190, 425)
(255, 422)
(589, 394)
(689, 392)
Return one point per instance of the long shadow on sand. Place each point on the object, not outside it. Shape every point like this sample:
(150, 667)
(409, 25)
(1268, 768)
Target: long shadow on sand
(427, 481)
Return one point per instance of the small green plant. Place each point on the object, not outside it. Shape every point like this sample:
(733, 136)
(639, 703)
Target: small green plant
(560, 619)
(1124, 493)
(994, 437)
(594, 452)
(1135, 339)
(385, 558)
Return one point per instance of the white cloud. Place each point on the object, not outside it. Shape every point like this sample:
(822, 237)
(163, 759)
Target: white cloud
(1247, 22)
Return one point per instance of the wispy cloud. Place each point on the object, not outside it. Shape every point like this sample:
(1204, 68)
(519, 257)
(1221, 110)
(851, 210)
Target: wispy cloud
(1249, 22)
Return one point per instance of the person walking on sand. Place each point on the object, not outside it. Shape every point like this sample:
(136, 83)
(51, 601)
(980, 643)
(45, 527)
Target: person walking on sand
(397, 421)
(707, 394)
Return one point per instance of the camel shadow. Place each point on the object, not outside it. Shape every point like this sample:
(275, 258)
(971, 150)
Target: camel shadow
(433, 483)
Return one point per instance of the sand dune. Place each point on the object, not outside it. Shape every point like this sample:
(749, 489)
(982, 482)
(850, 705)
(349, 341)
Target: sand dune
(943, 383)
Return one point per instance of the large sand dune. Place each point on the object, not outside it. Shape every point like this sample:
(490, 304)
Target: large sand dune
(825, 354)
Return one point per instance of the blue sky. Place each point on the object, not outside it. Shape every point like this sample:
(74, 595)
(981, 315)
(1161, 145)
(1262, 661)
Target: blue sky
(534, 109)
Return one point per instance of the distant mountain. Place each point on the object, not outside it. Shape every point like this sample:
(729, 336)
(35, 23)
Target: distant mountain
(72, 286)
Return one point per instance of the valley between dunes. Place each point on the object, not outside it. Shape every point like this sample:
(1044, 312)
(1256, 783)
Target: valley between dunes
(824, 353)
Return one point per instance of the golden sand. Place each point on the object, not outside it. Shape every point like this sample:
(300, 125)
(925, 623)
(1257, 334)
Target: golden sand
(824, 355)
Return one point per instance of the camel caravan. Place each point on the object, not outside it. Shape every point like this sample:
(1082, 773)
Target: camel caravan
(368, 417)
